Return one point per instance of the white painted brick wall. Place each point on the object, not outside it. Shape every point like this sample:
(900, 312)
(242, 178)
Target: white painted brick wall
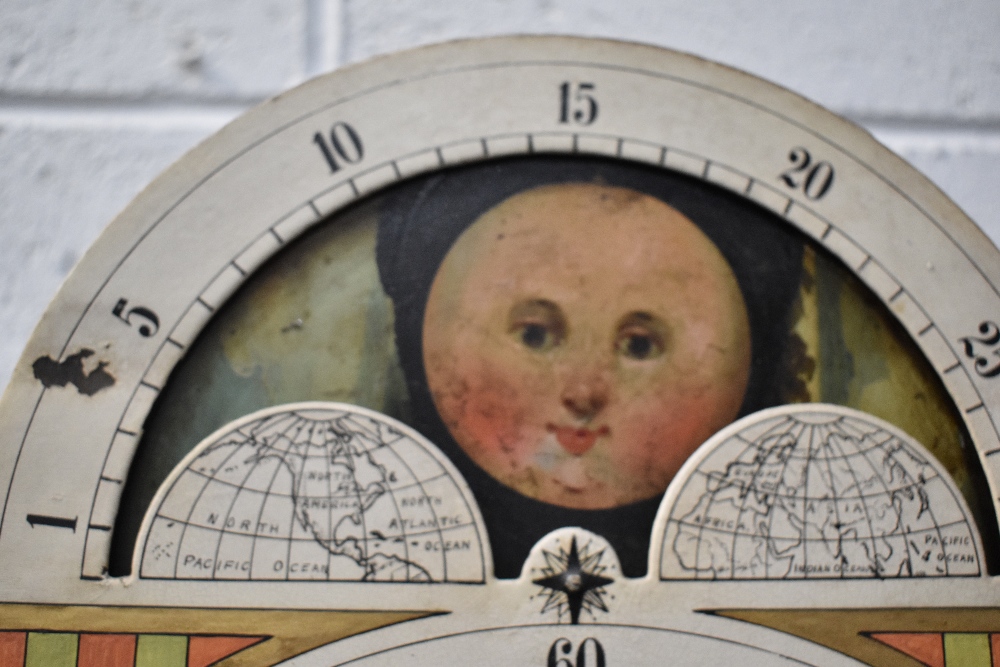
(98, 97)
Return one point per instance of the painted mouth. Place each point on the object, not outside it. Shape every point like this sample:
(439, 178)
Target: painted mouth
(577, 441)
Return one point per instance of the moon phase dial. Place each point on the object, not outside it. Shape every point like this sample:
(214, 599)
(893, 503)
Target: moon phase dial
(571, 347)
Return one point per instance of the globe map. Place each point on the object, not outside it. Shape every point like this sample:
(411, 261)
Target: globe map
(816, 492)
(314, 492)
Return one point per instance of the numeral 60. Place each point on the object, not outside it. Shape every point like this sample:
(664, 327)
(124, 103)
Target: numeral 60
(588, 647)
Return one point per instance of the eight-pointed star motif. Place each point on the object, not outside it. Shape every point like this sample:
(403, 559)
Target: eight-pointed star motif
(574, 581)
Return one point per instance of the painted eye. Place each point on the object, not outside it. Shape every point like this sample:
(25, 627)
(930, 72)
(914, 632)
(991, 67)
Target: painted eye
(535, 336)
(640, 336)
(539, 325)
(638, 346)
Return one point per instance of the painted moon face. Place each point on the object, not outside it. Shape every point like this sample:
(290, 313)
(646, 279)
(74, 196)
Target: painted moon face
(581, 341)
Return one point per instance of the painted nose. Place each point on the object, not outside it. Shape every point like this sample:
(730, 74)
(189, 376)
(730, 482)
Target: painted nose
(585, 398)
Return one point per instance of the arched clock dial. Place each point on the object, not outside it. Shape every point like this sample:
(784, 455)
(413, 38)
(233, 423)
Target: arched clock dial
(578, 349)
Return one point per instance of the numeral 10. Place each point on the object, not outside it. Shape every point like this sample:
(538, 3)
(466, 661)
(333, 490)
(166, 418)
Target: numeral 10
(342, 144)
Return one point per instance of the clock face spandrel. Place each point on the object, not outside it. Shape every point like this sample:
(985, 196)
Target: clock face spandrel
(576, 351)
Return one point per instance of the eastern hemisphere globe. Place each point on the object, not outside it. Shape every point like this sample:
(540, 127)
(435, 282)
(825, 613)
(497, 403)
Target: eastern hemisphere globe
(815, 491)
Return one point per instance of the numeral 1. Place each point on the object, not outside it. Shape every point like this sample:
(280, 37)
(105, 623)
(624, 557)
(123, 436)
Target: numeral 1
(54, 521)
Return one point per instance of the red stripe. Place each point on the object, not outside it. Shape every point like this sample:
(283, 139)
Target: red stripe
(106, 651)
(12, 647)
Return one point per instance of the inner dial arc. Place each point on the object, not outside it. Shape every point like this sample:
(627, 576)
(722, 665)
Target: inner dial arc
(343, 193)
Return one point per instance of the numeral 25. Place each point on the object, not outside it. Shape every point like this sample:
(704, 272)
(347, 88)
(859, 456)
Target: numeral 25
(984, 349)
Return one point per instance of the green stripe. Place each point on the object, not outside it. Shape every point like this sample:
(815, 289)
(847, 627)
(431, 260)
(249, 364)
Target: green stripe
(966, 649)
(51, 649)
(161, 651)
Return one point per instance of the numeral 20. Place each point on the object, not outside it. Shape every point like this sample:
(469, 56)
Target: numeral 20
(344, 145)
(814, 179)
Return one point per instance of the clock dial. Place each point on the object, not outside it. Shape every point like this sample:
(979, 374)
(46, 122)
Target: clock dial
(370, 348)
(519, 282)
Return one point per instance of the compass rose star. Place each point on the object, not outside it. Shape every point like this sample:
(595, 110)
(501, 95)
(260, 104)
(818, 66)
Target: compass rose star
(575, 587)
